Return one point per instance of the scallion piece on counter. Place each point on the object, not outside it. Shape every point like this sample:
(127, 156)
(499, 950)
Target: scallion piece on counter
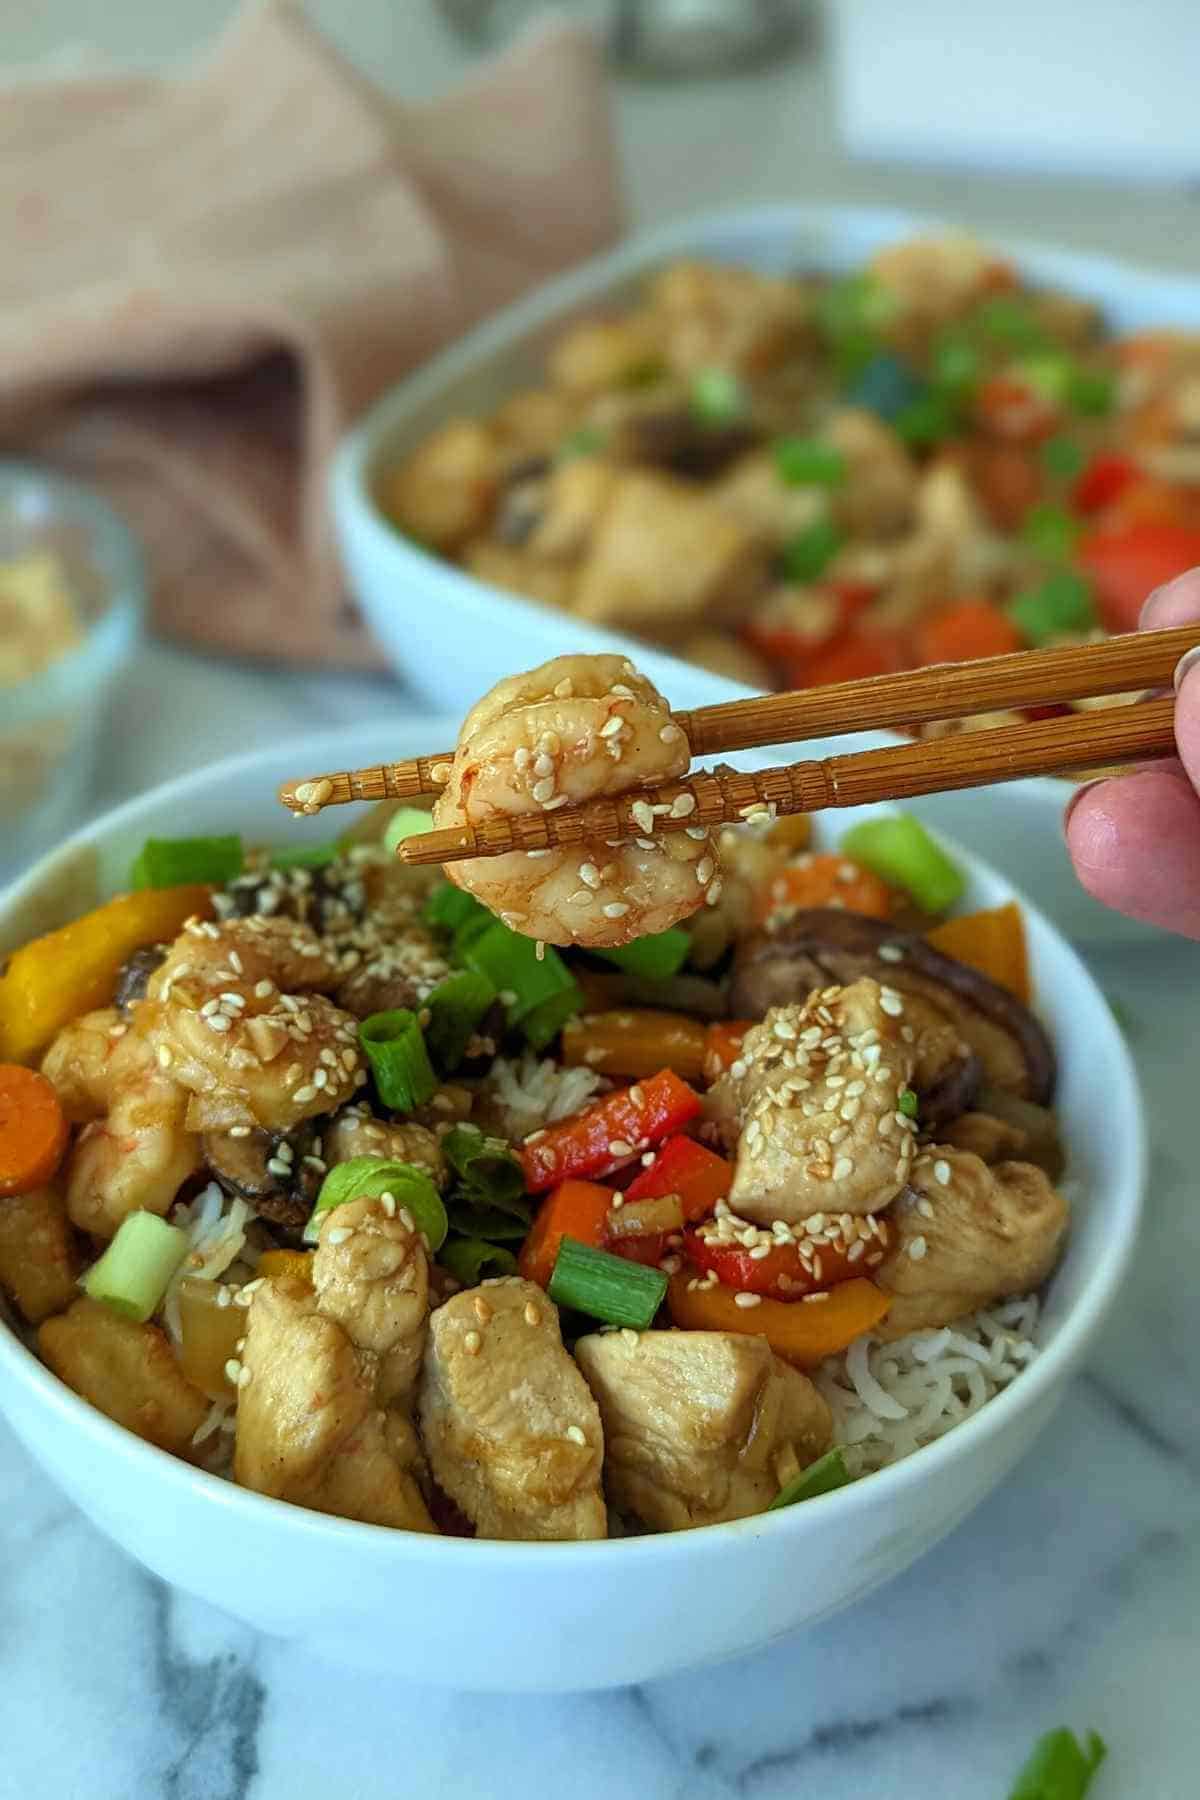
(1060, 1768)
(606, 1287)
(1060, 604)
(369, 1178)
(173, 862)
(822, 1477)
(405, 822)
(471, 1261)
(1051, 530)
(546, 992)
(299, 856)
(395, 1049)
(135, 1271)
(486, 1167)
(806, 555)
(807, 462)
(448, 907)
(898, 849)
(906, 1103)
(654, 958)
(717, 397)
(456, 1007)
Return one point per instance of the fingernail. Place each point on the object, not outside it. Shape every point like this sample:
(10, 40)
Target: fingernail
(1153, 606)
(1085, 787)
(1185, 665)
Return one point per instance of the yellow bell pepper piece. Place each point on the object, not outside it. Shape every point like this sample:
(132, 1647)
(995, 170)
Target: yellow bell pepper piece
(992, 941)
(292, 1265)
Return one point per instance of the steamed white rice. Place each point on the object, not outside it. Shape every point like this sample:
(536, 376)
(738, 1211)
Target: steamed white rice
(529, 1094)
(888, 1400)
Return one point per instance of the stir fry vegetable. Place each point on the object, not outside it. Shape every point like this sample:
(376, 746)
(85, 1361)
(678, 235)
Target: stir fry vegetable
(900, 851)
(610, 1133)
(606, 1287)
(374, 1177)
(1059, 1767)
(33, 1129)
(132, 1275)
(803, 1332)
(824, 1476)
(174, 862)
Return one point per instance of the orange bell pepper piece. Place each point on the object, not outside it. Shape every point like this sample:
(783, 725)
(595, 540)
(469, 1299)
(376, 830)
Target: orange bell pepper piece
(576, 1209)
(803, 1332)
(992, 941)
(723, 1046)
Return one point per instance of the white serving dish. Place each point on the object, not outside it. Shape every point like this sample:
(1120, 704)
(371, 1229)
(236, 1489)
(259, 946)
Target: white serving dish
(565, 1616)
(451, 635)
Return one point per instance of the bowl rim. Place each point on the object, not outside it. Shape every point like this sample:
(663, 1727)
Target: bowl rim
(110, 637)
(353, 467)
(1048, 1371)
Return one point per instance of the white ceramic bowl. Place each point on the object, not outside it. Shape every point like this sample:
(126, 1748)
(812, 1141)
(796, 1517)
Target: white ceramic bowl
(451, 635)
(565, 1616)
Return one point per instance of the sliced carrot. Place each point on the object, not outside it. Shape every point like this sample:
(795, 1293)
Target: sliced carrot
(966, 630)
(723, 1045)
(803, 1332)
(576, 1209)
(992, 941)
(636, 1041)
(33, 1129)
(823, 880)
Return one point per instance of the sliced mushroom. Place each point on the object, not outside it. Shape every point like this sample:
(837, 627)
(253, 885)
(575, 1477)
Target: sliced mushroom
(677, 440)
(134, 974)
(279, 1174)
(825, 947)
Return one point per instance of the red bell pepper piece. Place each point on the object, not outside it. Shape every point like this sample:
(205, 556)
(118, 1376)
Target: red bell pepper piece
(633, 1118)
(1126, 566)
(1104, 480)
(781, 1273)
(699, 1176)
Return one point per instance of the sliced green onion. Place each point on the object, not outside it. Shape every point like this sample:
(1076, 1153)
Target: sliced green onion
(1050, 373)
(299, 856)
(546, 991)
(395, 1049)
(456, 1008)
(472, 927)
(654, 958)
(471, 1261)
(955, 365)
(448, 907)
(886, 385)
(1051, 530)
(369, 1178)
(405, 822)
(822, 1477)
(586, 441)
(1060, 604)
(807, 555)
(172, 862)
(135, 1271)
(1011, 321)
(1092, 392)
(1060, 1768)
(486, 1167)
(543, 1023)
(900, 851)
(807, 462)
(1063, 456)
(906, 1103)
(491, 1224)
(851, 314)
(606, 1287)
(717, 397)
(927, 420)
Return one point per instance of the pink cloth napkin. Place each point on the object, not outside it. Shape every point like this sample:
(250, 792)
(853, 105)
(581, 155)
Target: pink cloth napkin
(208, 276)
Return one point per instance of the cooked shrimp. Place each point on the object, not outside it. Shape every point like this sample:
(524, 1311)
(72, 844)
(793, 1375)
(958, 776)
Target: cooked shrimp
(578, 728)
(135, 1152)
(223, 1020)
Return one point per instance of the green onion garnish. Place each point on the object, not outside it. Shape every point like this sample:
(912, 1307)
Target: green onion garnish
(490, 1224)
(546, 992)
(448, 907)
(907, 1103)
(717, 397)
(173, 862)
(471, 1261)
(822, 1477)
(851, 313)
(1049, 373)
(1060, 1768)
(1012, 322)
(955, 365)
(487, 1168)
(395, 1049)
(542, 1024)
(369, 1178)
(807, 462)
(606, 1287)
(1092, 392)
(1051, 530)
(298, 856)
(405, 822)
(588, 440)
(898, 849)
(135, 1271)
(456, 1007)
(654, 958)
(806, 556)
(1060, 604)
(927, 420)
(1063, 456)
(473, 926)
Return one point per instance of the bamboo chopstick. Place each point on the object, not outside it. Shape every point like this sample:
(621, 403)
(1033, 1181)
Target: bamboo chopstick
(914, 697)
(933, 765)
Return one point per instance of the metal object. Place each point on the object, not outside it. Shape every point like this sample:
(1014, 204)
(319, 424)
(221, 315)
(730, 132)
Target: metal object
(667, 39)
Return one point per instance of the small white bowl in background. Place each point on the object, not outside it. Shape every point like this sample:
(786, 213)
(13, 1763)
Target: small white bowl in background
(557, 1617)
(49, 722)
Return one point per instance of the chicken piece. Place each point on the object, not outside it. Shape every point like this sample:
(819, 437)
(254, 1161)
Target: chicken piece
(127, 1371)
(534, 421)
(518, 571)
(39, 1261)
(606, 353)
(576, 495)
(511, 1431)
(967, 1234)
(878, 497)
(816, 1093)
(992, 1140)
(328, 1370)
(665, 560)
(443, 493)
(934, 281)
(718, 316)
(357, 1132)
(772, 509)
(699, 1426)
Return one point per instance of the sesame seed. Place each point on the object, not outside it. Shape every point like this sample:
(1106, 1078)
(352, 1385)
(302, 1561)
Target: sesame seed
(522, 758)
(618, 1147)
(543, 790)
(164, 1056)
(339, 1235)
(472, 1343)
(564, 689)
(303, 1095)
(642, 815)
(843, 1168)
(917, 1248)
(483, 1311)
(613, 727)
(387, 1201)
(682, 805)
(276, 1166)
(669, 733)
(941, 1172)
(406, 1219)
(629, 1336)
(745, 1300)
(233, 1370)
(218, 1022)
(891, 953)
(589, 874)
(891, 1003)
(576, 1434)
(925, 1208)
(532, 1314)
(616, 909)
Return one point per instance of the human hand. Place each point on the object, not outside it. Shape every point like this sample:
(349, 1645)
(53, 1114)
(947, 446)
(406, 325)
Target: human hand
(1135, 839)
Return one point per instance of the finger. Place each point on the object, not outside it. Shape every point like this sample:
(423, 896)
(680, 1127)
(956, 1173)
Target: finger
(1187, 715)
(1135, 844)
(1175, 603)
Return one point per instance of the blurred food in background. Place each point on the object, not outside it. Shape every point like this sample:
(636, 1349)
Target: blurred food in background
(802, 479)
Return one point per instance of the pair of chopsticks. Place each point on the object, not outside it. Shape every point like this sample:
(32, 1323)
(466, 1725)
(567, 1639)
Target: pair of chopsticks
(1069, 744)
